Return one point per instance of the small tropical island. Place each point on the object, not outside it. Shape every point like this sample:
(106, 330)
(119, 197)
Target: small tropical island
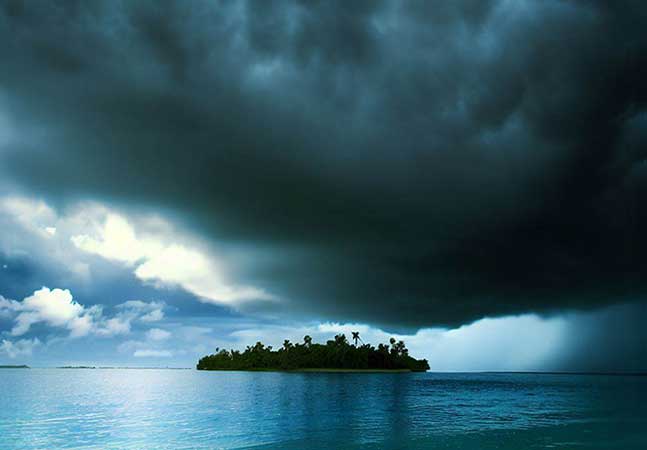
(336, 355)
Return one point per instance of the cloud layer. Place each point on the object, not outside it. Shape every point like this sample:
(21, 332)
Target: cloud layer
(405, 164)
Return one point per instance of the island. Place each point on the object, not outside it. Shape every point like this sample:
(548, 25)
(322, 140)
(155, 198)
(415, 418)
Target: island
(336, 355)
(76, 367)
(22, 366)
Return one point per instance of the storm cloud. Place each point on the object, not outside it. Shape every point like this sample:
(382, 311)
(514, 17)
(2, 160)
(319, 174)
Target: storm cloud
(404, 164)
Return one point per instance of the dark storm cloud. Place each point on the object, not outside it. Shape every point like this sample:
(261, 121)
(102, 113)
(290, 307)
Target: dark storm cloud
(407, 164)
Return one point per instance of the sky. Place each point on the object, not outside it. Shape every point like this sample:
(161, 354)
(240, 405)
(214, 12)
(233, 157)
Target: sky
(468, 176)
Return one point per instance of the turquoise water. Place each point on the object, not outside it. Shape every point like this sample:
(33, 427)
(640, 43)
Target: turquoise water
(187, 409)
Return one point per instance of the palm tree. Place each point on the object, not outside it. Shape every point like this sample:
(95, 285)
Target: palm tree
(340, 339)
(356, 337)
(400, 348)
(307, 340)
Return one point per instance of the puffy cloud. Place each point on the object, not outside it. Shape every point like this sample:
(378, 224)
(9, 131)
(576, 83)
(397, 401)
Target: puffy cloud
(157, 334)
(21, 347)
(152, 354)
(56, 308)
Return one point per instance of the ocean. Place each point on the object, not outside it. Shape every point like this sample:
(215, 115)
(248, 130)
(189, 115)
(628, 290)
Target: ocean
(189, 409)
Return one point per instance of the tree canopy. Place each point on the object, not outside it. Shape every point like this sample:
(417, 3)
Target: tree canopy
(337, 353)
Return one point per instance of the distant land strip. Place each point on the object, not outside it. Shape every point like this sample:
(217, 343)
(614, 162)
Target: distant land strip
(615, 374)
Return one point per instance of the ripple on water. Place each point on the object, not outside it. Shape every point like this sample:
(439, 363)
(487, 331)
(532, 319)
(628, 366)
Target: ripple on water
(140, 409)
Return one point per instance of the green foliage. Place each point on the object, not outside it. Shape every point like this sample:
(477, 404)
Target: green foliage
(335, 354)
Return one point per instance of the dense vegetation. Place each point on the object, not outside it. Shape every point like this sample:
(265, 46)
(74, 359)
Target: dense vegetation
(335, 354)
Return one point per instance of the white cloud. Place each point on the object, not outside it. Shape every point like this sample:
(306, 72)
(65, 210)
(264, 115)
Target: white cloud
(180, 340)
(154, 316)
(130, 311)
(31, 228)
(8, 307)
(114, 326)
(115, 240)
(152, 354)
(158, 261)
(56, 308)
(130, 345)
(33, 215)
(157, 253)
(146, 312)
(157, 334)
(22, 347)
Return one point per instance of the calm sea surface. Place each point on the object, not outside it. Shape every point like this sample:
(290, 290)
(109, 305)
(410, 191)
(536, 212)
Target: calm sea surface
(186, 409)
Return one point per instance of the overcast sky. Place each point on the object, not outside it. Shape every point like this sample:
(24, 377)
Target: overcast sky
(469, 175)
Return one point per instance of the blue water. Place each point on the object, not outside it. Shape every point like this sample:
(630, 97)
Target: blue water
(187, 409)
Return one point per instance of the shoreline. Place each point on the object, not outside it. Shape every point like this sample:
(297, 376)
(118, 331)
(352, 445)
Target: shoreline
(311, 370)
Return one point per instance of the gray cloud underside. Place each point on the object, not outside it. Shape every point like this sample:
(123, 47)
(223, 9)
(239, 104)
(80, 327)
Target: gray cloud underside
(404, 163)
